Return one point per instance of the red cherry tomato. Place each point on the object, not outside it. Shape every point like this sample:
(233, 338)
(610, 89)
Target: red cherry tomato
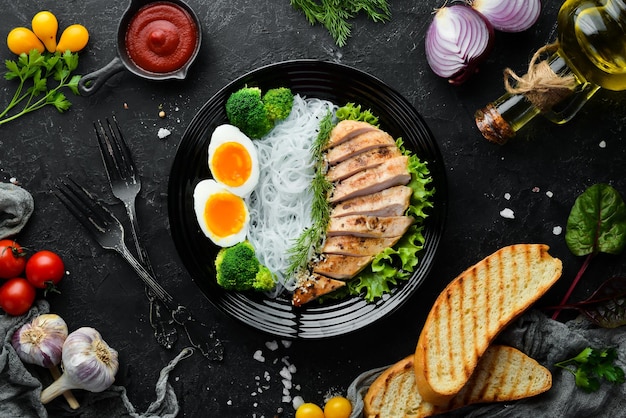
(44, 269)
(12, 259)
(16, 296)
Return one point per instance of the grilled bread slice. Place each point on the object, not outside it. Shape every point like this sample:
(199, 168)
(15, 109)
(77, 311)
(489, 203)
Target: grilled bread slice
(473, 309)
(502, 374)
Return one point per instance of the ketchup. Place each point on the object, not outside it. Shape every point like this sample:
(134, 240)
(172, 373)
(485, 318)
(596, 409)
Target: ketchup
(161, 37)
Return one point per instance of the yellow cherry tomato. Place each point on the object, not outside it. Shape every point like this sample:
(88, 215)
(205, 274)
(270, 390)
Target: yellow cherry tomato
(23, 40)
(73, 38)
(45, 26)
(337, 407)
(309, 410)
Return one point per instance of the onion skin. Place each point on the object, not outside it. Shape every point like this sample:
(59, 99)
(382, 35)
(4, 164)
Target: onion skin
(458, 39)
(509, 15)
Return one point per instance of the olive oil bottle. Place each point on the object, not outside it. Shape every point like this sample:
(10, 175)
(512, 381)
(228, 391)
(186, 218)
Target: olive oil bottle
(591, 51)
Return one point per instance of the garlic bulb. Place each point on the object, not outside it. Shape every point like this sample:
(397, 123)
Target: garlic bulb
(41, 341)
(88, 363)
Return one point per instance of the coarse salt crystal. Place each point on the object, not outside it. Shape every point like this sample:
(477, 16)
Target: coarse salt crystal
(287, 383)
(549, 193)
(602, 144)
(507, 196)
(272, 345)
(507, 213)
(285, 373)
(286, 343)
(286, 399)
(557, 230)
(292, 368)
(297, 401)
(258, 356)
(163, 133)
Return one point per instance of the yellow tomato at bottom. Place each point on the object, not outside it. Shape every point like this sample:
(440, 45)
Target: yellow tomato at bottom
(337, 407)
(309, 410)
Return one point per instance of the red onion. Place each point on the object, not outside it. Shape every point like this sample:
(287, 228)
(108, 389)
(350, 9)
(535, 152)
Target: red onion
(509, 15)
(457, 41)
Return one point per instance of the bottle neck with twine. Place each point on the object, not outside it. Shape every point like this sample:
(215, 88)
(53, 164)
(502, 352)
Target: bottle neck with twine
(541, 85)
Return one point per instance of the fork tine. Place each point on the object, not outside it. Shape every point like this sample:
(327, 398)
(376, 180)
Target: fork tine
(84, 207)
(122, 146)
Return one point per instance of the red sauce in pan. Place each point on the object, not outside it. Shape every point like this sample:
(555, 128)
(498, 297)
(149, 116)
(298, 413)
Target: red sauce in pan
(161, 37)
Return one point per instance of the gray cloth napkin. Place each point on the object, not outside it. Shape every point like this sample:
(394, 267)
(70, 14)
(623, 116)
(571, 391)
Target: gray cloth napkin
(16, 206)
(548, 342)
(20, 384)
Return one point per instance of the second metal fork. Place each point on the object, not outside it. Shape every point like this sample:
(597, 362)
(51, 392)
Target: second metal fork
(125, 184)
(109, 233)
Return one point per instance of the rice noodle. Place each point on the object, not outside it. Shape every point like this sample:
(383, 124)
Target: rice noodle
(280, 204)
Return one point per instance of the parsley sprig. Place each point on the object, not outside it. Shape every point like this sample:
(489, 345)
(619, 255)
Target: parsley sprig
(334, 14)
(591, 365)
(34, 71)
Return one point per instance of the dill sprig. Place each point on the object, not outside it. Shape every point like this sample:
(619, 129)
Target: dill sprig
(320, 210)
(334, 14)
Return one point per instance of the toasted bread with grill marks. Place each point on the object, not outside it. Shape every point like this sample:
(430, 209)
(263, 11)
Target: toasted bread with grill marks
(502, 374)
(472, 310)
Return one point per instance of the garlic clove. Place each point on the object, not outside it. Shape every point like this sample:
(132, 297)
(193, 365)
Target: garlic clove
(41, 341)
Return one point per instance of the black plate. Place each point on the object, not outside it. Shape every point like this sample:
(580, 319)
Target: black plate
(340, 84)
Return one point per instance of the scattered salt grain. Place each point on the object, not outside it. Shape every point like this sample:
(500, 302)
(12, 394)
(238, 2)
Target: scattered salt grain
(507, 213)
(229, 402)
(549, 193)
(292, 368)
(258, 356)
(272, 345)
(285, 373)
(286, 343)
(287, 384)
(536, 189)
(163, 133)
(602, 144)
(557, 230)
(297, 401)
(507, 196)
(286, 399)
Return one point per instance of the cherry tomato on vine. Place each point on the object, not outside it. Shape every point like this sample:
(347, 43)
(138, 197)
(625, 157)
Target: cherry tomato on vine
(44, 269)
(12, 259)
(309, 410)
(17, 296)
(337, 407)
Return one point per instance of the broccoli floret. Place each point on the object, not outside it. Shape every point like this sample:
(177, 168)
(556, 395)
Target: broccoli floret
(278, 103)
(245, 110)
(239, 269)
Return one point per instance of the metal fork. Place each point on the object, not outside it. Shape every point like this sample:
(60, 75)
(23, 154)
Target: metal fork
(125, 184)
(109, 233)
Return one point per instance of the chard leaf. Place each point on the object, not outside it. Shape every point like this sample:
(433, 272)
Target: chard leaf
(597, 222)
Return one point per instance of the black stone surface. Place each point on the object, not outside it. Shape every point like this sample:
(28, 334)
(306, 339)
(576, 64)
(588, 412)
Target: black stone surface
(103, 292)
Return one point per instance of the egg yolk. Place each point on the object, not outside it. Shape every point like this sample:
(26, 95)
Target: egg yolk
(232, 164)
(225, 214)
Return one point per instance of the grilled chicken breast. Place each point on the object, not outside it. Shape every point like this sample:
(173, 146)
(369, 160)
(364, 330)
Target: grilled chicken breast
(313, 287)
(393, 172)
(346, 130)
(341, 267)
(389, 202)
(361, 143)
(362, 161)
(357, 246)
(369, 226)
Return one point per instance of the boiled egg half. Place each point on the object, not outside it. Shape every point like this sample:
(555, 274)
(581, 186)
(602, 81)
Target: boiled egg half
(233, 160)
(223, 216)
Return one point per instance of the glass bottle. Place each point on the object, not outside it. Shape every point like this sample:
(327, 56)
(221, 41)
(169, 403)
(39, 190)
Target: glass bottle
(591, 47)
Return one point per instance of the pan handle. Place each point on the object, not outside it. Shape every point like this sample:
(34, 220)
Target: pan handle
(91, 82)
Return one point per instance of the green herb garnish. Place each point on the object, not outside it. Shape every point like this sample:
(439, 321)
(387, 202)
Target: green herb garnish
(320, 211)
(36, 70)
(334, 14)
(591, 365)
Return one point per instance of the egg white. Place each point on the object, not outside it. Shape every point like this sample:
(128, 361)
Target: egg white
(229, 133)
(202, 192)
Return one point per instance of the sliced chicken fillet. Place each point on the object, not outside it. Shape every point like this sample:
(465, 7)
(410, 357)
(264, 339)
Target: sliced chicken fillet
(389, 202)
(361, 143)
(362, 161)
(357, 246)
(313, 287)
(341, 267)
(393, 172)
(346, 130)
(369, 226)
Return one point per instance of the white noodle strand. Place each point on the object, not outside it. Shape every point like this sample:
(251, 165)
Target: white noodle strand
(280, 204)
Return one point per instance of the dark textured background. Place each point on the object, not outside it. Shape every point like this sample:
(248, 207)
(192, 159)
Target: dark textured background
(101, 291)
